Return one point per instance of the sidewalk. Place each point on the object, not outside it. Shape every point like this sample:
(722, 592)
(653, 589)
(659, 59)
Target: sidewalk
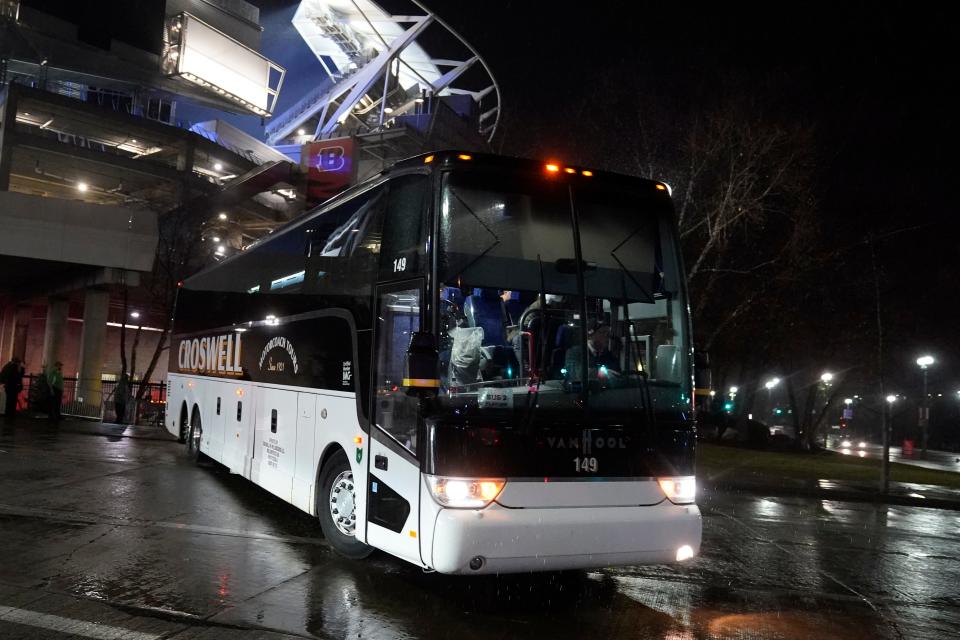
(933, 459)
(901, 493)
(93, 428)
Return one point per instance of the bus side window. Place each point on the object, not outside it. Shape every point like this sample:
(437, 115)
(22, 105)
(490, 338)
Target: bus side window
(343, 246)
(402, 251)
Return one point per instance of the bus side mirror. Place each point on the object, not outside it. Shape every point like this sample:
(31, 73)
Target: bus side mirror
(421, 369)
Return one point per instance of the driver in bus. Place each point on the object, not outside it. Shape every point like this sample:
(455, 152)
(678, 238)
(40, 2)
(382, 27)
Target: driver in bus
(600, 355)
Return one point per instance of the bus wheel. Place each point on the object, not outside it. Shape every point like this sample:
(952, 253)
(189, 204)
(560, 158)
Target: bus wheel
(336, 508)
(193, 440)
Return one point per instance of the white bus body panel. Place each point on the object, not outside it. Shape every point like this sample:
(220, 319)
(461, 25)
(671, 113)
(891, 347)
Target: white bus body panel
(403, 476)
(559, 525)
(275, 440)
(573, 492)
(238, 434)
(545, 539)
(304, 471)
(213, 421)
(284, 463)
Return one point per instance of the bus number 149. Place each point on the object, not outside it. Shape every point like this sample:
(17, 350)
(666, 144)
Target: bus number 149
(585, 465)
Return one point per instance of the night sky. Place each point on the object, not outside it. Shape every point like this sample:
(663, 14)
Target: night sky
(877, 84)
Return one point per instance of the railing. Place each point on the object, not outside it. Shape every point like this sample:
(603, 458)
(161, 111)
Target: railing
(100, 405)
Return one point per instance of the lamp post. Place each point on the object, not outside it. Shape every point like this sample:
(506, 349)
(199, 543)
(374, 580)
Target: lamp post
(770, 384)
(885, 438)
(923, 420)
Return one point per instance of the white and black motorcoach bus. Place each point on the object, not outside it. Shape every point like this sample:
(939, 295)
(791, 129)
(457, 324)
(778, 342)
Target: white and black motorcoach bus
(478, 364)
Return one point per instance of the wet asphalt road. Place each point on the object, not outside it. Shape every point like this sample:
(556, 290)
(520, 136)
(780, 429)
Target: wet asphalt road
(108, 536)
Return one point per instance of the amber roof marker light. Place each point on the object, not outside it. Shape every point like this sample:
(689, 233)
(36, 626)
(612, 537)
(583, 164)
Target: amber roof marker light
(553, 168)
(428, 160)
(465, 156)
(570, 170)
(587, 173)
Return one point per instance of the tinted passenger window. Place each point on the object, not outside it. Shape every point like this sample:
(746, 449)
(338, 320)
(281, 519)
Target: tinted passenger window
(404, 234)
(343, 246)
(274, 265)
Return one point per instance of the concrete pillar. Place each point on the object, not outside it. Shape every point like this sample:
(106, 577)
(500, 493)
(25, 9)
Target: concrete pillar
(7, 324)
(55, 330)
(20, 330)
(93, 338)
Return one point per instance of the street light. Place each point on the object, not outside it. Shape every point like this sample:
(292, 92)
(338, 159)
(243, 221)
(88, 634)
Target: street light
(848, 401)
(771, 383)
(891, 399)
(826, 378)
(923, 420)
(733, 390)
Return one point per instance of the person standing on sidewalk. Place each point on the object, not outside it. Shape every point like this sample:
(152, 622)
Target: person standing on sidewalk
(120, 395)
(54, 381)
(12, 378)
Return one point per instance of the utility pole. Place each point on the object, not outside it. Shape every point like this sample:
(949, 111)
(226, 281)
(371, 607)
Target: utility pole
(884, 421)
(923, 420)
(886, 425)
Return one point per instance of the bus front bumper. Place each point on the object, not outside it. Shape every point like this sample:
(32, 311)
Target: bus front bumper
(502, 540)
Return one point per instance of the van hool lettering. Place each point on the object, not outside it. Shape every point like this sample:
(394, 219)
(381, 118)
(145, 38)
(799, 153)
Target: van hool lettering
(211, 355)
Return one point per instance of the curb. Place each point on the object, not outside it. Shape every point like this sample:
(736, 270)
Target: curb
(833, 494)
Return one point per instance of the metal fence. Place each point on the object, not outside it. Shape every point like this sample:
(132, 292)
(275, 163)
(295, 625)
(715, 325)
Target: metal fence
(101, 405)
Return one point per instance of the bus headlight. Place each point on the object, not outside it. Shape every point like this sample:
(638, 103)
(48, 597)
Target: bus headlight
(464, 493)
(679, 490)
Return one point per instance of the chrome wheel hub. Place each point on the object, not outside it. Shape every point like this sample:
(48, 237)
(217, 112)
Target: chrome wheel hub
(343, 503)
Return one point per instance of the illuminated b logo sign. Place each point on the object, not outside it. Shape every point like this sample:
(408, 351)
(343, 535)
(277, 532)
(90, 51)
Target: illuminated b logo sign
(331, 159)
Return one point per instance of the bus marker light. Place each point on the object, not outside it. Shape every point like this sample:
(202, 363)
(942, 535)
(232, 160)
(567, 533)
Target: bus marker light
(684, 553)
(661, 187)
(239, 393)
(358, 440)
(587, 172)
(489, 490)
(465, 156)
(681, 490)
(413, 534)
(552, 168)
(428, 160)
(570, 170)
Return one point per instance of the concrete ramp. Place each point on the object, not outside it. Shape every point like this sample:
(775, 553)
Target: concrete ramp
(71, 231)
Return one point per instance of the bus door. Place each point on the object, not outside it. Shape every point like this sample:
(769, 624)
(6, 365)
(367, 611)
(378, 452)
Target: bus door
(393, 487)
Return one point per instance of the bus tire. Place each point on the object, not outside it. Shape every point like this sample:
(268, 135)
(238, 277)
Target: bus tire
(337, 492)
(196, 435)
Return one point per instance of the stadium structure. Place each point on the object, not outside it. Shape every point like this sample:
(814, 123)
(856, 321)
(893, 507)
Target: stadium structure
(98, 164)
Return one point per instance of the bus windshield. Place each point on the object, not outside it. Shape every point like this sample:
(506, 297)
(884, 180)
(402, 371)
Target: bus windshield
(559, 298)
